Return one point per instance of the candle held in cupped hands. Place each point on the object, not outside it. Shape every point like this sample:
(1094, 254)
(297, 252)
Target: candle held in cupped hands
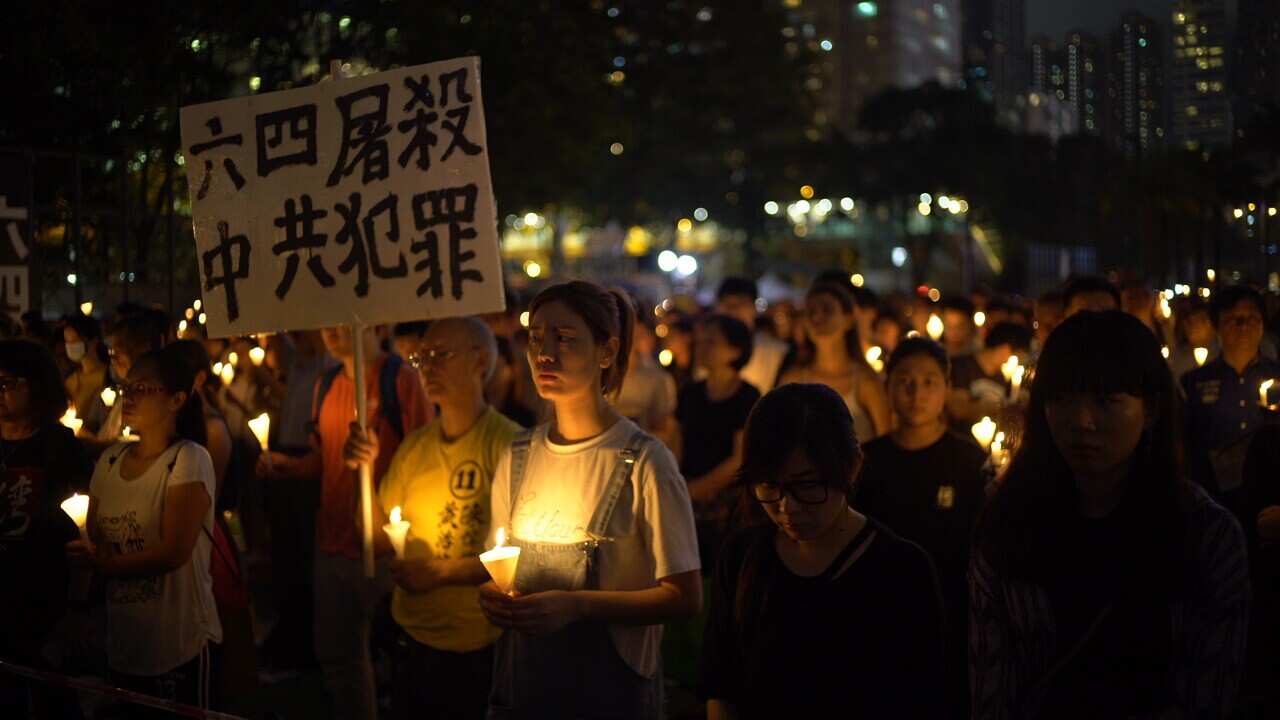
(77, 507)
(501, 562)
(397, 531)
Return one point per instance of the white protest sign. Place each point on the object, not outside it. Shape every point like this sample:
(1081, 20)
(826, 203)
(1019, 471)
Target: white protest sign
(361, 200)
(15, 296)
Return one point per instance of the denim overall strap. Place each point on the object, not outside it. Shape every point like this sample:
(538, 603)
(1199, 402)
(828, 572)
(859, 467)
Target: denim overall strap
(627, 459)
(519, 458)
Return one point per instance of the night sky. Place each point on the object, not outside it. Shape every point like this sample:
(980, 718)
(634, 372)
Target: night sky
(1055, 17)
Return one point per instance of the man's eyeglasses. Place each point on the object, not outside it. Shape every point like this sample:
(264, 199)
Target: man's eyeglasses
(9, 384)
(140, 390)
(808, 493)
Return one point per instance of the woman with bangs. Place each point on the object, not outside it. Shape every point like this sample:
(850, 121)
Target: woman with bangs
(816, 609)
(1103, 584)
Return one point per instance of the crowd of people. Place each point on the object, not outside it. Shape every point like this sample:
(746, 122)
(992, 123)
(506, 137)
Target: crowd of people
(909, 506)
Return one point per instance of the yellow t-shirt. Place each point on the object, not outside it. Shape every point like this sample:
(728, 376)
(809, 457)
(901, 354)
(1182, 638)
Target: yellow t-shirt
(443, 492)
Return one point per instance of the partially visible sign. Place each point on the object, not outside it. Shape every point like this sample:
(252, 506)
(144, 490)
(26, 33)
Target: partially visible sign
(15, 229)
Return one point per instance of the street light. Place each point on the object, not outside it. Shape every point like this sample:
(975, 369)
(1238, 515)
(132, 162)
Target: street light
(668, 261)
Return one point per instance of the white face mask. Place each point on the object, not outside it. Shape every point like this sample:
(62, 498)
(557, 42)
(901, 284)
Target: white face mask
(75, 351)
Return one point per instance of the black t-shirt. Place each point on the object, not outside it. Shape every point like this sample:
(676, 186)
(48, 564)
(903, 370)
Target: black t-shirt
(707, 427)
(865, 643)
(36, 475)
(929, 496)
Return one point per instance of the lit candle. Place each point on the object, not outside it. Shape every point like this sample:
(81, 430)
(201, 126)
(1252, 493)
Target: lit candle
(501, 562)
(77, 506)
(999, 456)
(875, 355)
(257, 355)
(1262, 392)
(233, 358)
(86, 308)
(70, 420)
(1164, 351)
(397, 530)
(984, 431)
(196, 304)
(979, 318)
(1165, 310)
(1202, 354)
(228, 373)
(128, 435)
(108, 397)
(1016, 381)
(261, 427)
(934, 327)
(1008, 368)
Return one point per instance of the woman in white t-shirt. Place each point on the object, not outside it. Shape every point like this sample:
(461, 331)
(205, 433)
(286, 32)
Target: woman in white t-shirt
(603, 520)
(150, 523)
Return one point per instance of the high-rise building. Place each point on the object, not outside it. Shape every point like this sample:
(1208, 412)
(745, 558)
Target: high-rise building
(1199, 98)
(868, 46)
(1083, 60)
(995, 51)
(1256, 60)
(1042, 53)
(1134, 121)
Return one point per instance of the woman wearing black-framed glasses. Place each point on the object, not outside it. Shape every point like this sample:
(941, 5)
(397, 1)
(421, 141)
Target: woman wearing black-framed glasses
(816, 609)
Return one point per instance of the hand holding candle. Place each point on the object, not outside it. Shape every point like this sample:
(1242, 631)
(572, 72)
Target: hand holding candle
(501, 562)
(397, 530)
(77, 507)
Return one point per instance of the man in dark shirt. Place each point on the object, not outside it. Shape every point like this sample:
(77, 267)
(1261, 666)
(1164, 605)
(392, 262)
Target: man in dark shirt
(1223, 403)
(925, 483)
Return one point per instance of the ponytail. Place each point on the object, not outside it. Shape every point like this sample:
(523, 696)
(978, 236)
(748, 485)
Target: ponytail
(607, 314)
(614, 375)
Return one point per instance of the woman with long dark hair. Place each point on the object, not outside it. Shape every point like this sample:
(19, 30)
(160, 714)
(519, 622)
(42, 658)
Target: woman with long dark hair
(150, 530)
(831, 321)
(608, 547)
(1103, 584)
(815, 607)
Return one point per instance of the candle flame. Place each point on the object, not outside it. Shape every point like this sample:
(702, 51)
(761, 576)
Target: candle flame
(395, 515)
(1263, 388)
(934, 327)
(108, 397)
(979, 318)
(233, 358)
(257, 355)
(261, 427)
(984, 431)
(501, 537)
(1164, 351)
(1202, 354)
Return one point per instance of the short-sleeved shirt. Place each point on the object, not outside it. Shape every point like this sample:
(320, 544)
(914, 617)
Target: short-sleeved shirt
(651, 534)
(36, 475)
(443, 490)
(707, 427)
(336, 524)
(155, 623)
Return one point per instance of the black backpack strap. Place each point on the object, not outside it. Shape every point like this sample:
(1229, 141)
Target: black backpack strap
(389, 395)
(322, 390)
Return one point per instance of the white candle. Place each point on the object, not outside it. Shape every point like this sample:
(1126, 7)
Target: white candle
(261, 427)
(77, 507)
(397, 530)
(228, 373)
(108, 397)
(1202, 354)
(984, 431)
(934, 327)
(1016, 381)
(501, 562)
(70, 420)
(1009, 367)
(257, 355)
(1262, 392)
(128, 435)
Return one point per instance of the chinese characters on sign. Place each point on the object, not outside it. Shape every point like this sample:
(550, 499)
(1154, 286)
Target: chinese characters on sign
(364, 199)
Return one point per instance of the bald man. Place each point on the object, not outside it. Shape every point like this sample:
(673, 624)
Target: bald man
(440, 478)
